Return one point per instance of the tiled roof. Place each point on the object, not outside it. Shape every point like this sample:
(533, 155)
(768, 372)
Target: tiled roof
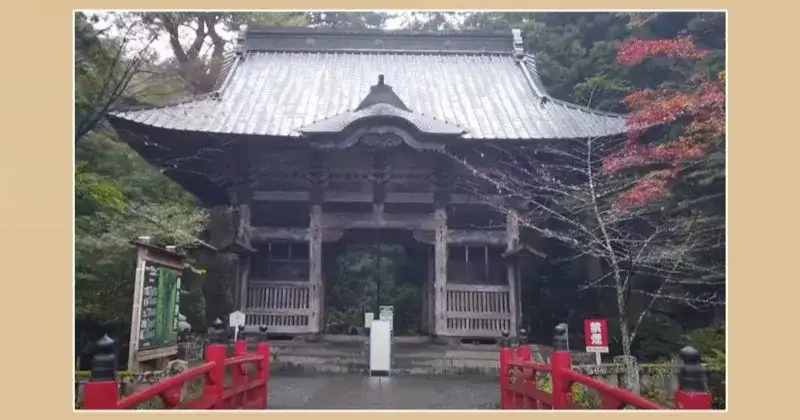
(486, 94)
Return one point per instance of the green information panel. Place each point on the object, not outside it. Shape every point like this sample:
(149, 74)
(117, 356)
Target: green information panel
(160, 304)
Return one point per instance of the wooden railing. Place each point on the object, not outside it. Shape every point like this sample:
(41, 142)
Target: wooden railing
(521, 381)
(248, 388)
(283, 306)
(477, 310)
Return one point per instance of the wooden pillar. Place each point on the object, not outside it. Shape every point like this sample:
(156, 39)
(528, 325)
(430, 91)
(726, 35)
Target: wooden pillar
(431, 294)
(512, 245)
(315, 269)
(243, 270)
(243, 263)
(440, 271)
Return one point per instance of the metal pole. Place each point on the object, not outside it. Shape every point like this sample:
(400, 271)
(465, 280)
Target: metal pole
(378, 258)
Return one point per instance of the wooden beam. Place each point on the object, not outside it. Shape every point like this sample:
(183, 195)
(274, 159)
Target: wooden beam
(493, 288)
(367, 197)
(261, 234)
(478, 315)
(374, 220)
(464, 237)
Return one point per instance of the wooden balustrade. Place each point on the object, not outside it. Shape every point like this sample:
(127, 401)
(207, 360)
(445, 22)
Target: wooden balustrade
(283, 306)
(477, 310)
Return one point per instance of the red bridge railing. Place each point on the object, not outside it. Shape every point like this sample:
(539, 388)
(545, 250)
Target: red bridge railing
(520, 390)
(248, 388)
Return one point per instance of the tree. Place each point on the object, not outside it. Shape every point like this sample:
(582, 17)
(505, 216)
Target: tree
(199, 61)
(104, 70)
(118, 196)
(655, 248)
(348, 20)
(698, 112)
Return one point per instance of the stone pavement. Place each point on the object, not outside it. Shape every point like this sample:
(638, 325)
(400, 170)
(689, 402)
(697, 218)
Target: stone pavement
(358, 391)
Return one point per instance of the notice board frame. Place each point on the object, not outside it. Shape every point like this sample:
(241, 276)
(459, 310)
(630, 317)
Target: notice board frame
(148, 254)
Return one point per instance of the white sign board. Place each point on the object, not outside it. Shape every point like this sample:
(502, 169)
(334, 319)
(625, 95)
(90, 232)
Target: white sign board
(387, 314)
(235, 319)
(380, 348)
(368, 318)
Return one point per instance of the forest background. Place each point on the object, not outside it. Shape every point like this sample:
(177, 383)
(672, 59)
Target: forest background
(151, 58)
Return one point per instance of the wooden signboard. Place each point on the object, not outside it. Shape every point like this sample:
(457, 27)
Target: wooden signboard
(156, 304)
(158, 322)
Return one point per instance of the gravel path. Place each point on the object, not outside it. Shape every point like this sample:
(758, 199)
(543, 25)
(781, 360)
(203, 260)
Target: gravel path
(352, 391)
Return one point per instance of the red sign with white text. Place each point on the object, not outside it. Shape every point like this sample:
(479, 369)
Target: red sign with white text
(596, 332)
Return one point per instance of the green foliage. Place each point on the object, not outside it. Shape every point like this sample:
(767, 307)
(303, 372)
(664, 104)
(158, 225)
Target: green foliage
(369, 277)
(118, 196)
(657, 339)
(710, 341)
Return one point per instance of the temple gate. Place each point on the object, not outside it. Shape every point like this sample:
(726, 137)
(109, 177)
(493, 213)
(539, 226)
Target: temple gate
(316, 136)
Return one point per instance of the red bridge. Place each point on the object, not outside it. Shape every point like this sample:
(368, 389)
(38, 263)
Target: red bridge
(242, 380)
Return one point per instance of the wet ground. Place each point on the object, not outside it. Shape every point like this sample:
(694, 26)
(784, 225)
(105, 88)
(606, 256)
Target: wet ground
(358, 391)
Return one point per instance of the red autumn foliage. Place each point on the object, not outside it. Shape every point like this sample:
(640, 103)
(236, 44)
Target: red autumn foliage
(702, 107)
(637, 50)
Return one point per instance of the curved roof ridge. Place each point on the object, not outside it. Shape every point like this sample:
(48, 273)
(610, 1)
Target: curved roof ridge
(533, 72)
(424, 123)
(121, 109)
(530, 65)
(231, 62)
(325, 30)
(588, 109)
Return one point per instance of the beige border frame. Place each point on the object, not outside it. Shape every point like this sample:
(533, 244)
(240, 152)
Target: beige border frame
(36, 203)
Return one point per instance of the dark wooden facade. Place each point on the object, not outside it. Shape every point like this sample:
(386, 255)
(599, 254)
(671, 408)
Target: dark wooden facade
(305, 179)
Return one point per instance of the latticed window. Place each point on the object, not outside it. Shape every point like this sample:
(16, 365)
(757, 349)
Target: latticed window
(282, 261)
(475, 265)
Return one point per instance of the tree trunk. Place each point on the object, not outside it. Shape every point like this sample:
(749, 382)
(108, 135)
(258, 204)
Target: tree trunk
(622, 313)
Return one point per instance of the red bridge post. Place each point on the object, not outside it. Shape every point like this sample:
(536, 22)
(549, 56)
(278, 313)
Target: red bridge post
(523, 355)
(561, 361)
(216, 352)
(239, 371)
(263, 373)
(692, 392)
(102, 390)
(506, 355)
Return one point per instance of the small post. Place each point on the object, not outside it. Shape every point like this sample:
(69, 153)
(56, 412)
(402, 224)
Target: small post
(216, 352)
(561, 361)
(506, 356)
(523, 351)
(263, 373)
(102, 392)
(692, 393)
(239, 349)
(523, 355)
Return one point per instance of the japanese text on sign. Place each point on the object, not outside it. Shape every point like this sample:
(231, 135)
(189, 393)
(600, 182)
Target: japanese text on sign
(596, 331)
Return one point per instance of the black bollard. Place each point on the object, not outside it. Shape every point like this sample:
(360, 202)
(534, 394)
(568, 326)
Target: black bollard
(219, 335)
(264, 335)
(691, 377)
(523, 337)
(505, 342)
(560, 337)
(104, 362)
